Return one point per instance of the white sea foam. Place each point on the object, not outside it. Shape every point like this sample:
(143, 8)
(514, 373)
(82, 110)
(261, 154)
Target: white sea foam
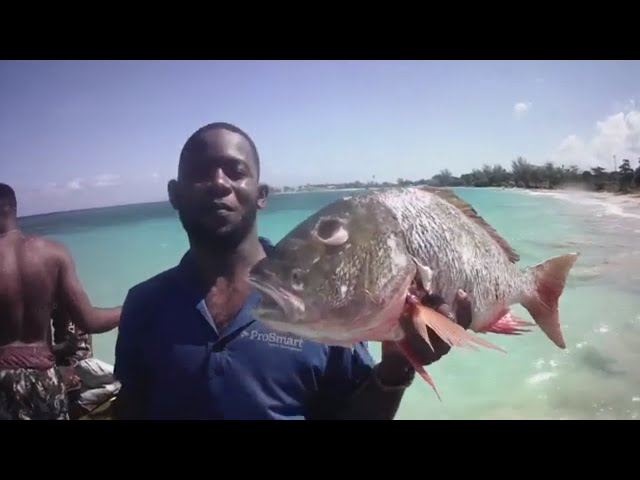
(605, 203)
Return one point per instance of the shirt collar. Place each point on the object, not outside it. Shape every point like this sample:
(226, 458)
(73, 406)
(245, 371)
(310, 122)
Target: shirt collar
(196, 292)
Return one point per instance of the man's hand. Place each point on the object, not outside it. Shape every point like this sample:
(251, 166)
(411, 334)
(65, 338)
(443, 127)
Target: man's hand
(74, 301)
(419, 346)
(66, 348)
(394, 366)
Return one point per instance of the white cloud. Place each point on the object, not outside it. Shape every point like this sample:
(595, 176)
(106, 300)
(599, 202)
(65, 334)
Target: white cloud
(572, 151)
(521, 108)
(106, 180)
(625, 106)
(75, 184)
(618, 135)
(99, 181)
(92, 191)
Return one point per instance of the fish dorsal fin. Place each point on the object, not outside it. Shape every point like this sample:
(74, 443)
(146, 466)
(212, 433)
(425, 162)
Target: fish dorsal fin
(449, 196)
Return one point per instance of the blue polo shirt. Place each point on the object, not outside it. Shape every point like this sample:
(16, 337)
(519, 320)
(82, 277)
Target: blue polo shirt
(170, 352)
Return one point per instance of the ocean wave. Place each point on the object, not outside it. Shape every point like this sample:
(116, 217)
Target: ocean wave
(609, 204)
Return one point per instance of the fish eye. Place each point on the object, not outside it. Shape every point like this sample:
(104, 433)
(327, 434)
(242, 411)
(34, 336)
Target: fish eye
(328, 227)
(331, 232)
(297, 281)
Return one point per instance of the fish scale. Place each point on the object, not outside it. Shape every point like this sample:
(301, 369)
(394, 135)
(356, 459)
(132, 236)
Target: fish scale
(460, 253)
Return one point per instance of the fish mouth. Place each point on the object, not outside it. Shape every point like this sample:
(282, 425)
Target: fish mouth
(277, 300)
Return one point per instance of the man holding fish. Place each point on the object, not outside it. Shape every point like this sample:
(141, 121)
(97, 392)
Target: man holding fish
(189, 345)
(357, 268)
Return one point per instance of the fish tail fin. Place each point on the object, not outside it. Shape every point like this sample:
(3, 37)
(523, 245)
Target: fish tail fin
(549, 278)
(449, 331)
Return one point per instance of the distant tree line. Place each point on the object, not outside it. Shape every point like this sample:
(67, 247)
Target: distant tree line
(524, 174)
(328, 186)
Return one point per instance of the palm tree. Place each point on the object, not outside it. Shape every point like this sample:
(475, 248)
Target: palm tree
(626, 175)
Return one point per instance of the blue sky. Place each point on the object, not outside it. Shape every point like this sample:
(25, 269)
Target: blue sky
(79, 134)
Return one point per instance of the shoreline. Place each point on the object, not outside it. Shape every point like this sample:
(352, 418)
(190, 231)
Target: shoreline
(603, 194)
(633, 195)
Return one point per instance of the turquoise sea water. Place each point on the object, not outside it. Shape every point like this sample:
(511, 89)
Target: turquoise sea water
(597, 376)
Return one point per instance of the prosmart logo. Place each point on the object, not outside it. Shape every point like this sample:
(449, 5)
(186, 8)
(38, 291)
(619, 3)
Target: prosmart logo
(274, 339)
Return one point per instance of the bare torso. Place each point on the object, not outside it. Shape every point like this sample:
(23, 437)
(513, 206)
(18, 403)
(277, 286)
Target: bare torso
(29, 271)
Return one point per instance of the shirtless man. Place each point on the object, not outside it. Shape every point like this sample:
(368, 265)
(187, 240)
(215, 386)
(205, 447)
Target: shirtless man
(35, 275)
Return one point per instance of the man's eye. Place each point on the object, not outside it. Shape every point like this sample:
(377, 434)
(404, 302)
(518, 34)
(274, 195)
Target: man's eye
(236, 172)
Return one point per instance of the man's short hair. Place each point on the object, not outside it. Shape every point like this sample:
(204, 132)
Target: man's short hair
(7, 195)
(223, 126)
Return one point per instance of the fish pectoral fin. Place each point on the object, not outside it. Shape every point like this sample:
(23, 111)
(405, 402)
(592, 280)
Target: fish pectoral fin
(449, 331)
(426, 274)
(413, 359)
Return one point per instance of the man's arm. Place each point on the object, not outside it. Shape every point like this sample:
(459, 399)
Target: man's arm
(355, 387)
(128, 367)
(379, 396)
(74, 299)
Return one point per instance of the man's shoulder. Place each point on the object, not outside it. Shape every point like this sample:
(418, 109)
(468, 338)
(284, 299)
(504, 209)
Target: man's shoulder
(155, 285)
(145, 299)
(40, 244)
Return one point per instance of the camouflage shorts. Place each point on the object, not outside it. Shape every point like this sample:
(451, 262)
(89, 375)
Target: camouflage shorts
(31, 394)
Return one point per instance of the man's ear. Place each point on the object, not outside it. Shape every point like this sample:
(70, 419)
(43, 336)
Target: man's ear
(263, 193)
(174, 196)
(8, 210)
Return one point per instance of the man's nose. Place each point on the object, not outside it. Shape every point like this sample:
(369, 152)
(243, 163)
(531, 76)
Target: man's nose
(220, 182)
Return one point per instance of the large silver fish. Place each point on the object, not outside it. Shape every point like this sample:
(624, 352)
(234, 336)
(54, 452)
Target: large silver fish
(344, 274)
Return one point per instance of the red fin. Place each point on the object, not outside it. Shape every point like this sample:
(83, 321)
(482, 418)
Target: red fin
(550, 277)
(406, 349)
(449, 331)
(509, 324)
